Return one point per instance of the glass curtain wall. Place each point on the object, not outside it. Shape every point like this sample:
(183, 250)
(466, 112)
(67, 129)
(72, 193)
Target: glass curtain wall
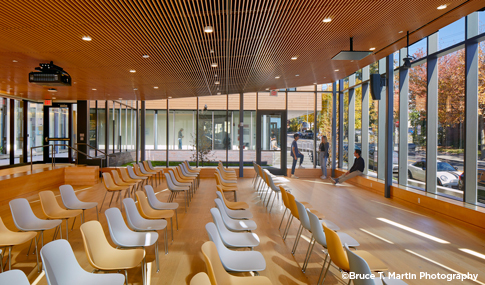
(249, 128)
(35, 130)
(301, 117)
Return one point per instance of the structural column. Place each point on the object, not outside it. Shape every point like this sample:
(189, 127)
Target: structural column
(365, 117)
(381, 125)
(432, 114)
(340, 124)
(389, 148)
(471, 109)
(82, 129)
(334, 127)
(351, 138)
(241, 134)
(403, 120)
(142, 130)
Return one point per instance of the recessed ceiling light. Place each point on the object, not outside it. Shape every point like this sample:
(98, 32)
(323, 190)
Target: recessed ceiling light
(212, 51)
(218, 93)
(75, 82)
(94, 89)
(132, 70)
(87, 38)
(155, 87)
(216, 83)
(214, 64)
(135, 89)
(372, 48)
(277, 77)
(218, 88)
(314, 83)
(441, 7)
(169, 97)
(120, 98)
(267, 89)
(52, 90)
(14, 60)
(208, 29)
(215, 75)
(53, 98)
(145, 56)
(294, 58)
(327, 20)
(401, 32)
(297, 74)
(324, 77)
(336, 69)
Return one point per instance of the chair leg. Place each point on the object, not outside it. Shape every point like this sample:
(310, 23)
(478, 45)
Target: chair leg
(176, 219)
(67, 229)
(166, 241)
(9, 258)
(326, 272)
(276, 195)
(102, 202)
(171, 225)
(288, 227)
(126, 277)
(97, 213)
(36, 254)
(156, 256)
(297, 239)
(282, 218)
(235, 196)
(72, 228)
(112, 195)
(308, 254)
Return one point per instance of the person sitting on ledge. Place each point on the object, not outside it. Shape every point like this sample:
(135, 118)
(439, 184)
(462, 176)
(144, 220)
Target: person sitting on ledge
(356, 170)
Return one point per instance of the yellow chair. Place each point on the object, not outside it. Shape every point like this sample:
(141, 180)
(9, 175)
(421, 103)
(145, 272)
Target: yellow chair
(179, 174)
(226, 187)
(113, 188)
(217, 273)
(147, 171)
(10, 239)
(294, 212)
(193, 170)
(339, 257)
(126, 177)
(136, 169)
(53, 211)
(118, 181)
(147, 212)
(200, 278)
(226, 175)
(152, 170)
(232, 205)
(103, 257)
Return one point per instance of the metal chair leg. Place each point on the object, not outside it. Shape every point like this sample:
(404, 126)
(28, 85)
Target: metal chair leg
(326, 272)
(297, 239)
(282, 218)
(308, 254)
(102, 203)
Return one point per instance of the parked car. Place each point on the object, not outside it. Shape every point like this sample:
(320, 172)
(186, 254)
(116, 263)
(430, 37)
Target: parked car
(480, 179)
(373, 160)
(308, 134)
(447, 175)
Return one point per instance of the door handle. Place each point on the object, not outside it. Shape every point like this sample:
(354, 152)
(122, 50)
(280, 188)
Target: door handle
(46, 139)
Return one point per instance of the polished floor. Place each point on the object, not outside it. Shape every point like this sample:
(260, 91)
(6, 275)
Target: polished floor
(407, 238)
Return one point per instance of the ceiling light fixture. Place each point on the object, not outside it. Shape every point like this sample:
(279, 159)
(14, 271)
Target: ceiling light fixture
(145, 56)
(14, 60)
(314, 83)
(120, 98)
(135, 89)
(218, 93)
(372, 48)
(215, 75)
(94, 89)
(132, 70)
(400, 32)
(214, 64)
(327, 20)
(441, 7)
(216, 83)
(277, 77)
(87, 38)
(52, 90)
(155, 87)
(53, 98)
(297, 75)
(351, 54)
(208, 29)
(169, 97)
(267, 89)
(337, 69)
(212, 51)
(294, 58)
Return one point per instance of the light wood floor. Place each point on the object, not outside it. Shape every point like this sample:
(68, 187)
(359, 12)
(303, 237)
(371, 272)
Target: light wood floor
(351, 208)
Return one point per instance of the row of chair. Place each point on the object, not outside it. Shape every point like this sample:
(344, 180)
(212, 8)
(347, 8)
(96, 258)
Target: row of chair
(231, 228)
(266, 184)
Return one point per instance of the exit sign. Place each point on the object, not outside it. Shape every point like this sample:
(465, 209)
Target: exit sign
(273, 93)
(47, 102)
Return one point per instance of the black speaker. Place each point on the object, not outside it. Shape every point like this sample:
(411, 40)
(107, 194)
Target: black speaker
(376, 86)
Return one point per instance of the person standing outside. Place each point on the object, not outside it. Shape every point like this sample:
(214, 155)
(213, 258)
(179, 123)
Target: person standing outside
(324, 147)
(356, 170)
(295, 153)
(181, 136)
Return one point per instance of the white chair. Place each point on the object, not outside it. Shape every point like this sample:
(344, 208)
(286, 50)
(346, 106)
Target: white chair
(236, 214)
(232, 239)
(122, 236)
(359, 266)
(158, 205)
(61, 267)
(132, 175)
(187, 171)
(71, 202)
(176, 189)
(15, 276)
(235, 261)
(137, 223)
(225, 180)
(232, 224)
(25, 220)
(144, 171)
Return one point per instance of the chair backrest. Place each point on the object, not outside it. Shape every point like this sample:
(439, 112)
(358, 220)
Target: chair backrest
(358, 265)
(143, 206)
(200, 278)
(108, 181)
(222, 210)
(16, 277)
(271, 183)
(59, 262)
(150, 165)
(302, 214)
(284, 196)
(95, 243)
(292, 205)
(131, 172)
(216, 216)
(216, 238)
(317, 229)
(221, 196)
(170, 184)
(116, 225)
(141, 167)
(146, 166)
(132, 215)
(137, 170)
(261, 173)
(178, 173)
(152, 199)
(217, 273)
(117, 178)
(22, 213)
(218, 178)
(124, 174)
(68, 195)
(48, 202)
(336, 250)
(3, 228)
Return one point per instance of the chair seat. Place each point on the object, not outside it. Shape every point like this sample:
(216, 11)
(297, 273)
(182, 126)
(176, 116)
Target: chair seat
(81, 205)
(231, 239)
(228, 189)
(242, 261)
(120, 259)
(164, 206)
(15, 238)
(149, 225)
(63, 214)
(239, 225)
(118, 188)
(239, 214)
(330, 225)
(136, 239)
(375, 264)
(346, 239)
(159, 214)
(39, 225)
(98, 279)
(237, 205)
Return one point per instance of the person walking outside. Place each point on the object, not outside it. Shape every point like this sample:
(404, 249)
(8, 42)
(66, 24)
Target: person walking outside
(323, 147)
(356, 170)
(295, 153)
(181, 136)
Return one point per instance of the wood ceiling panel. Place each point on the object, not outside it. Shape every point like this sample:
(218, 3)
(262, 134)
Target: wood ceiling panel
(252, 43)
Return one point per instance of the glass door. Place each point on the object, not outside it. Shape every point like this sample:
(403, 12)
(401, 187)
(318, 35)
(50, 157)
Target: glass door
(58, 133)
(271, 141)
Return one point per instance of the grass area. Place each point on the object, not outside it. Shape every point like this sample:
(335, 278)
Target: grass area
(450, 150)
(192, 163)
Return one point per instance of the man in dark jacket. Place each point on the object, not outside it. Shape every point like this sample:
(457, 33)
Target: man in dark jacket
(356, 170)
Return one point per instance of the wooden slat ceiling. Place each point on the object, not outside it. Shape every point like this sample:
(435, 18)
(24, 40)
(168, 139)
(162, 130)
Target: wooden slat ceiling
(252, 43)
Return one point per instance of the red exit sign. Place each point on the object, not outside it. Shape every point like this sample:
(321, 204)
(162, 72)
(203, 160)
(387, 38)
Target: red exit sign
(47, 102)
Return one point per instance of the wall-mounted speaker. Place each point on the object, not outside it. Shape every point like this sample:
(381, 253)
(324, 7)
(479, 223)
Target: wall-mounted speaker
(376, 83)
